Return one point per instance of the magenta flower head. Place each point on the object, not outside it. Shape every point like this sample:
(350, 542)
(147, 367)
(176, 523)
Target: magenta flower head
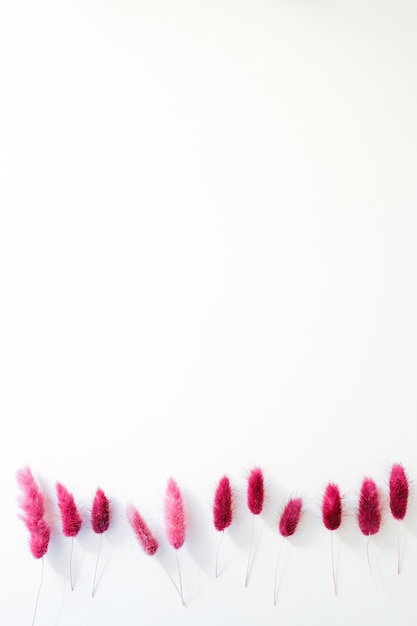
(290, 517)
(175, 524)
(332, 507)
(398, 491)
(142, 531)
(255, 493)
(100, 513)
(223, 505)
(32, 503)
(70, 517)
(369, 512)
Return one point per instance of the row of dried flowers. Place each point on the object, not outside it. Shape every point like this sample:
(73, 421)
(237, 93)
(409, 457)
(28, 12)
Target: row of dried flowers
(369, 514)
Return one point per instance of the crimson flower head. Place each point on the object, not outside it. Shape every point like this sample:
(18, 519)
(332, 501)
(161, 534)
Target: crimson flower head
(222, 507)
(369, 512)
(290, 517)
(332, 507)
(100, 513)
(255, 494)
(398, 492)
(70, 517)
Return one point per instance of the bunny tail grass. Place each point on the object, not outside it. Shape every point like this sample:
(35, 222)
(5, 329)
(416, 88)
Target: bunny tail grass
(331, 510)
(174, 515)
(175, 525)
(142, 531)
(369, 511)
(398, 501)
(32, 503)
(290, 517)
(255, 491)
(222, 511)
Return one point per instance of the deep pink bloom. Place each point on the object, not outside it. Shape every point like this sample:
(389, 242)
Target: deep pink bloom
(369, 512)
(32, 503)
(255, 494)
(222, 507)
(70, 517)
(100, 513)
(398, 492)
(290, 517)
(332, 507)
(39, 539)
(142, 531)
(174, 515)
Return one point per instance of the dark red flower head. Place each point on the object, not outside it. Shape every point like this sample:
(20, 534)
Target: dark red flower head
(100, 513)
(222, 507)
(70, 517)
(290, 517)
(256, 491)
(369, 512)
(398, 492)
(332, 507)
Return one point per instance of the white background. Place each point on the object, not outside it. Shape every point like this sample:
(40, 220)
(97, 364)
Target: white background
(208, 262)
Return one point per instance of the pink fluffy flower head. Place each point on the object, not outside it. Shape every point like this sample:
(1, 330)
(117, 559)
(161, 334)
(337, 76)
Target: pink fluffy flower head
(369, 511)
(290, 517)
(70, 517)
(398, 491)
(39, 539)
(32, 503)
(222, 507)
(255, 492)
(332, 507)
(32, 499)
(100, 513)
(174, 515)
(143, 533)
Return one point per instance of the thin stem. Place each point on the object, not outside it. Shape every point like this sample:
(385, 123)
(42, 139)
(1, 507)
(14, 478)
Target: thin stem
(398, 548)
(172, 580)
(95, 571)
(333, 569)
(250, 551)
(217, 553)
(180, 579)
(70, 565)
(369, 564)
(39, 591)
(276, 570)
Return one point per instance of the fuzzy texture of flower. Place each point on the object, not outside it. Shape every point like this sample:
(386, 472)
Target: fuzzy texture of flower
(290, 517)
(32, 503)
(332, 507)
(398, 491)
(255, 493)
(100, 513)
(175, 524)
(369, 510)
(39, 539)
(70, 517)
(142, 531)
(223, 505)
(32, 500)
